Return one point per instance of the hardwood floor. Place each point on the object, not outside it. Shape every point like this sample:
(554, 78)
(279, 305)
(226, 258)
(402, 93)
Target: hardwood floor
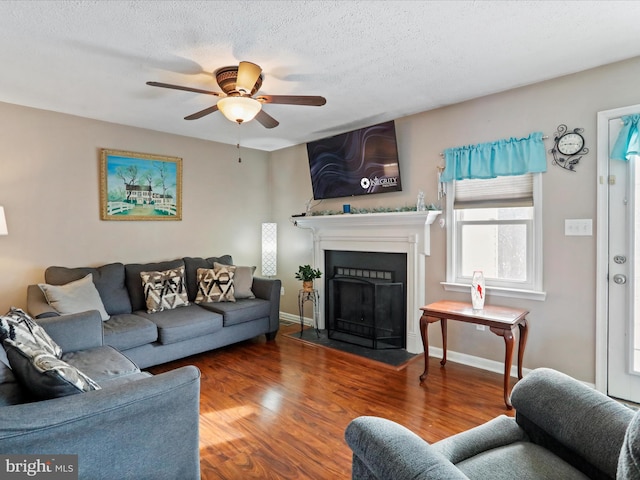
(278, 410)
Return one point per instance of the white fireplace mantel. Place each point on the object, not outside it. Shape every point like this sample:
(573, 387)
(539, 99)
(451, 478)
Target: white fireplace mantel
(390, 232)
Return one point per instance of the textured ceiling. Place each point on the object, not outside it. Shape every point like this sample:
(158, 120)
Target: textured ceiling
(372, 60)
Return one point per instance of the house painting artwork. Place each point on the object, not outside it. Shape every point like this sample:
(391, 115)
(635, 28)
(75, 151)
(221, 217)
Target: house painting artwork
(138, 186)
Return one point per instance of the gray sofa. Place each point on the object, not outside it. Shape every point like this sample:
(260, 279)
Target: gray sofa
(562, 430)
(137, 426)
(153, 338)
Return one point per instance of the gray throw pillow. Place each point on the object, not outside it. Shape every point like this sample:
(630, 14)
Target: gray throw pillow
(74, 297)
(108, 279)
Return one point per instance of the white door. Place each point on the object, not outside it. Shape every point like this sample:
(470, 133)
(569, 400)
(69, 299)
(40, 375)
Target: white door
(623, 267)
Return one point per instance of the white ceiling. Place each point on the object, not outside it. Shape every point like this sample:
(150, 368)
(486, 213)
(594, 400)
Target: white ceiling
(372, 60)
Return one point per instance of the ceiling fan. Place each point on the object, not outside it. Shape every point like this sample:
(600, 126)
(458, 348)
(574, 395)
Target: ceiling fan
(238, 103)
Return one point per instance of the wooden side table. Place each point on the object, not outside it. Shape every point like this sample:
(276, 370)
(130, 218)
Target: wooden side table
(313, 297)
(501, 320)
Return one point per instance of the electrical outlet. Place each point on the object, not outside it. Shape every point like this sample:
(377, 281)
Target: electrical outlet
(480, 327)
(282, 291)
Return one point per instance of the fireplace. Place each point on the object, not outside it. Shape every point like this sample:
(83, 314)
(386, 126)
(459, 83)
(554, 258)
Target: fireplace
(393, 232)
(365, 298)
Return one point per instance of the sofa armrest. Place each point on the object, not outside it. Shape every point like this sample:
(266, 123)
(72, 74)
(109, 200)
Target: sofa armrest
(37, 304)
(581, 425)
(269, 289)
(77, 331)
(383, 449)
(147, 429)
(495, 433)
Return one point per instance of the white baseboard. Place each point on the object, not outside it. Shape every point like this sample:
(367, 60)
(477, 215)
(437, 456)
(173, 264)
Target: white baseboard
(436, 352)
(290, 317)
(477, 362)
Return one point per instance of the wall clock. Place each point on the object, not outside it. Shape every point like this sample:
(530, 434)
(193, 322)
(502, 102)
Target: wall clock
(568, 147)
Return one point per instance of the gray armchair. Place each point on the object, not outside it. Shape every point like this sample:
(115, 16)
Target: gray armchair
(562, 430)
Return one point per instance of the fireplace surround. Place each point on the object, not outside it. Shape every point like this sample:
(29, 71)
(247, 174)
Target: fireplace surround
(365, 301)
(394, 232)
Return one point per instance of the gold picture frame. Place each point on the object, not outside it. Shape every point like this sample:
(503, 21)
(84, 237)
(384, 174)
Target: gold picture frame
(140, 186)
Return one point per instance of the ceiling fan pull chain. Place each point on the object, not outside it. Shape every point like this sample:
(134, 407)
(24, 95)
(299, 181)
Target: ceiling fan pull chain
(238, 144)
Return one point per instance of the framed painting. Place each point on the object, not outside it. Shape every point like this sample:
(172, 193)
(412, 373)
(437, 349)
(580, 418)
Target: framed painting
(140, 186)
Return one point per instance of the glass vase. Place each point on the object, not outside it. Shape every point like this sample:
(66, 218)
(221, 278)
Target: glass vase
(477, 290)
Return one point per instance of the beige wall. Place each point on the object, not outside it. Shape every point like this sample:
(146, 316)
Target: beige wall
(562, 328)
(49, 187)
(50, 177)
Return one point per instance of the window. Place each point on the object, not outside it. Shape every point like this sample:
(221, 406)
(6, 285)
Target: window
(495, 225)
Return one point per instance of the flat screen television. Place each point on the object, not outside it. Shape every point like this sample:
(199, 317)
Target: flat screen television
(361, 162)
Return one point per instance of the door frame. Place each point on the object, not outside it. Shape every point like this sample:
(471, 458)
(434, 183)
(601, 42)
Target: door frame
(602, 242)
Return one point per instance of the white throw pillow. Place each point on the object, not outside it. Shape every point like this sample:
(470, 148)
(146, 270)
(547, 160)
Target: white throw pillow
(74, 297)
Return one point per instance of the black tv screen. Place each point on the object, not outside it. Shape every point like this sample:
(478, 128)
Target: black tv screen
(361, 162)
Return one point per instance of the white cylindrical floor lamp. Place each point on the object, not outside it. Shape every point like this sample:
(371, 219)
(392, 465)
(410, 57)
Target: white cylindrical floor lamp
(269, 249)
(3, 223)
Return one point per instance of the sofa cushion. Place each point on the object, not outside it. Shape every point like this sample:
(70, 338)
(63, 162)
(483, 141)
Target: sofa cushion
(242, 281)
(129, 331)
(184, 323)
(164, 290)
(101, 363)
(18, 326)
(519, 460)
(191, 266)
(123, 379)
(74, 297)
(216, 284)
(108, 279)
(240, 312)
(134, 284)
(45, 375)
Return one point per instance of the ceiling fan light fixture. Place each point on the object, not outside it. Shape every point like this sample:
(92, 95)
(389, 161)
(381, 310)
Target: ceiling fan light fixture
(247, 76)
(239, 109)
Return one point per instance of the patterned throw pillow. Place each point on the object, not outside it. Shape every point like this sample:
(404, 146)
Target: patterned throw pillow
(18, 327)
(215, 285)
(164, 290)
(242, 281)
(45, 375)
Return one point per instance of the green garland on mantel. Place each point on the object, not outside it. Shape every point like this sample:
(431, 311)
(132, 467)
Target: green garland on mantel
(355, 210)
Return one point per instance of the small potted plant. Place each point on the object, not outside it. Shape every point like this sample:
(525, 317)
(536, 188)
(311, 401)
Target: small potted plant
(307, 274)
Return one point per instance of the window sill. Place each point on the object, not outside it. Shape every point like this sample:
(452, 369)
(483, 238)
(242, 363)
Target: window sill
(498, 291)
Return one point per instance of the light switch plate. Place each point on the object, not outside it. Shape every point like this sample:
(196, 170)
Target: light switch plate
(580, 227)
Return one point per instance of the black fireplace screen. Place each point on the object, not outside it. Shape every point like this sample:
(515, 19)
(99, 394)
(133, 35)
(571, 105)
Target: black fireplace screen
(367, 308)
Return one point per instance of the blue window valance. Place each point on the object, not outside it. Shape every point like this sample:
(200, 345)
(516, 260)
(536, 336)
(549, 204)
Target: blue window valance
(514, 156)
(628, 141)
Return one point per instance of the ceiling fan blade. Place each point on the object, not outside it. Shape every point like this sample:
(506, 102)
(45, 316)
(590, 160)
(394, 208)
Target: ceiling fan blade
(248, 74)
(266, 120)
(202, 113)
(310, 100)
(186, 89)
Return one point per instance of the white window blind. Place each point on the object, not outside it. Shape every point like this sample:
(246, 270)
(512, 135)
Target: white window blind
(510, 191)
